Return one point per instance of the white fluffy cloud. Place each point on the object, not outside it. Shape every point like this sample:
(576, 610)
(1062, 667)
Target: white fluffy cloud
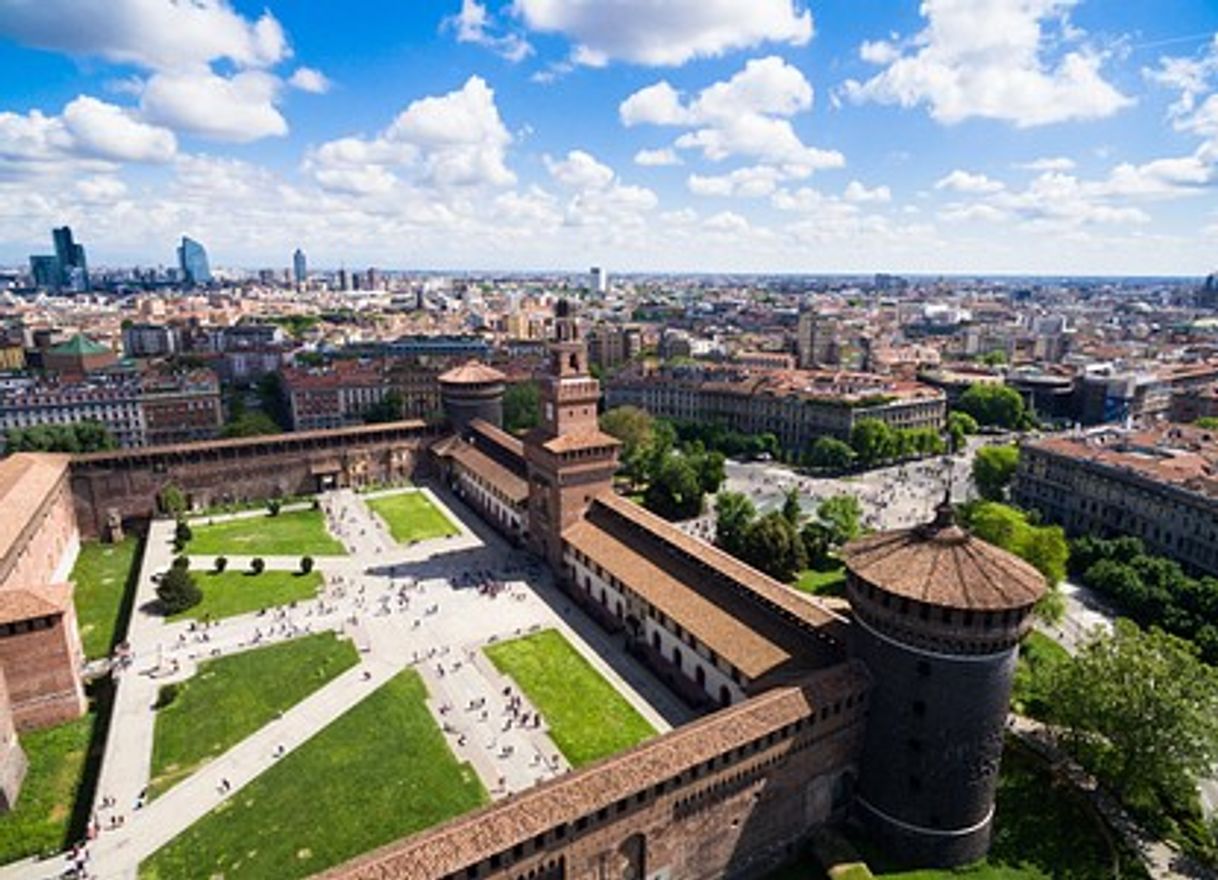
(858, 193)
(473, 24)
(308, 79)
(746, 115)
(663, 156)
(88, 131)
(154, 34)
(207, 67)
(667, 33)
(1049, 163)
(965, 182)
(451, 140)
(239, 108)
(579, 170)
(752, 182)
(988, 58)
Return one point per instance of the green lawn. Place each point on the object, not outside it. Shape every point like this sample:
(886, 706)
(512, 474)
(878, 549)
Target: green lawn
(831, 582)
(412, 517)
(379, 772)
(294, 533)
(239, 592)
(103, 575)
(232, 697)
(39, 824)
(588, 719)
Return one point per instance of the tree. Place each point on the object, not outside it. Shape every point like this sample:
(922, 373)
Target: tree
(791, 511)
(1142, 711)
(274, 400)
(250, 424)
(1045, 547)
(675, 491)
(273, 506)
(182, 562)
(86, 436)
(830, 453)
(220, 563)
(257, 565)
(994, 405)
(182, 532)
(734, 512)
(633, 426)
(1209, 423)
(177, 590)
(173, 501)
(522, 406)
(772, 545)
(959, 426)
(842, 517)
(994, 358)
(388, 409)
(306, 564)
(873, 441)
(993, 470)
(711, 469)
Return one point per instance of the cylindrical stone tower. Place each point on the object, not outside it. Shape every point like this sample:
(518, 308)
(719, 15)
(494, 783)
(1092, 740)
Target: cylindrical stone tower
(939, 615)
(472, 391)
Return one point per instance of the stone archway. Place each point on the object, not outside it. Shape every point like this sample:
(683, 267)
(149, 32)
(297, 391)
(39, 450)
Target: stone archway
(632, 858)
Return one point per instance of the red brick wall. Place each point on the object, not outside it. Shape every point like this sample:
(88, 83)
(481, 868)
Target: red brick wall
(47, 535)
(42, 667)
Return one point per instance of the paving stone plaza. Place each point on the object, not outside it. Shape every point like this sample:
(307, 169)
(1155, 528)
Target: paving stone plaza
(432, 605)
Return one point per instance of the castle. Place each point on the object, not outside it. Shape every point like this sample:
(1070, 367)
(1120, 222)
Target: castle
(890, 710)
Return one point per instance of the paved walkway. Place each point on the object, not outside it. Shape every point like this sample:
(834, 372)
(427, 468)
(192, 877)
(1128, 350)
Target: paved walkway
(432, 605)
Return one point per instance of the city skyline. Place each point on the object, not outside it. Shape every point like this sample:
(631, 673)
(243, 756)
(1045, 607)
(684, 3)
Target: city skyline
(1075, 138)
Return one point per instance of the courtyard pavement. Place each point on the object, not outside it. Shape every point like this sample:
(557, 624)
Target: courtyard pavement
(432, 605)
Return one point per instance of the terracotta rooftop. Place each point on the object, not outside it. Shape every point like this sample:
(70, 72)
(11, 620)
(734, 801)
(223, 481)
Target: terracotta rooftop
(25, 603)
(498, 436)
(637, 551)
(1182, 455)
(942, 564)
(472, 372)
(520, 818)
(789, 600)
(586, 440)
(26, 479)
(514, 487)
(290, 437)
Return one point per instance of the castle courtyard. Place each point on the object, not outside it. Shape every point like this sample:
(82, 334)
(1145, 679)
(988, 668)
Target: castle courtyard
(431, 606)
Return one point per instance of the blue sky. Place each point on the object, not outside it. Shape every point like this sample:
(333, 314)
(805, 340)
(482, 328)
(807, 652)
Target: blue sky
(1025, 136)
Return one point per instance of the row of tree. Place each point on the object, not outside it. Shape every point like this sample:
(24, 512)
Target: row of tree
(875, 442)
(1153, 590)
(87, 436)
(784, 542)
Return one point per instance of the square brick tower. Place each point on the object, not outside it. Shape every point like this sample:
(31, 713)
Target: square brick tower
(570, 460)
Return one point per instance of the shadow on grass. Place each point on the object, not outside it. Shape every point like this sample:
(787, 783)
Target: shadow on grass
(101, 698)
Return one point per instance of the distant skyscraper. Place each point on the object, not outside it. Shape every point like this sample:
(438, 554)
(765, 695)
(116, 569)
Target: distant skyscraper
(600, 279)
(192, 260)
(300, 267)
(45, 270)
(73, 271)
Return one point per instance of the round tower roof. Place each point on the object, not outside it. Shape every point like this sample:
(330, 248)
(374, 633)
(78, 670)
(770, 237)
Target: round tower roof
(472, 373)
(942, 564)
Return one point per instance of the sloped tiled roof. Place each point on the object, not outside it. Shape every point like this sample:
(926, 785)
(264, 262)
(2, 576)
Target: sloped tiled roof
(942, 564)
(26, 478)
(522, 817)
(80, 345)
(22, 603)
(472, 373)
